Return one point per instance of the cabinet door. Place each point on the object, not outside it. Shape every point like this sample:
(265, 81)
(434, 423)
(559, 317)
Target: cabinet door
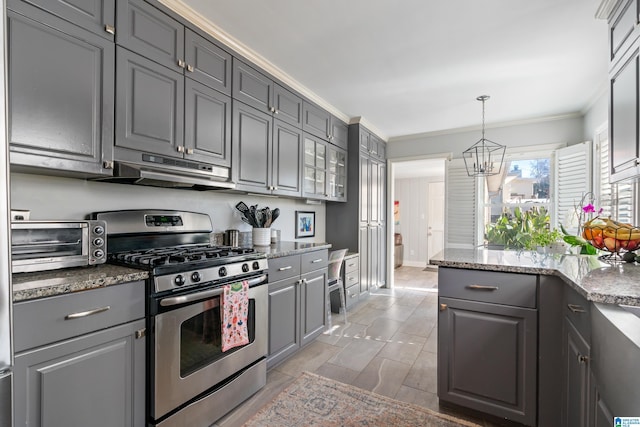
(374, 256)
(251, 148)
(316, 121)
(61, 93)
(365, 204)
(364, 140)
(576, 380)
(207, 63)
(151, 33)
(284, 314)
(336, 173)
(97, 16)
(207, 134)
(374, 192)
(623, 119)
(252, 87)
(287, 160)
(313, 305)
(365, 251)
(93, 380)
(601, 415)
(288, 106)
(487, 358)
(315, 168)
(150, 106)
(339, 133)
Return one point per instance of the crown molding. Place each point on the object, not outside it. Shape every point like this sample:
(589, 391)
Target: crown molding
(605, 8)
(487, 126)
(179, 7)
(364, 122)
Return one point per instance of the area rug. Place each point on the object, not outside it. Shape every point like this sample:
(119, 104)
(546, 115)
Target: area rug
(312, 400)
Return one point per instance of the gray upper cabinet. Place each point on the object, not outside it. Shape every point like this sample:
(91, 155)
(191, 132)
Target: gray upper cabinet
(150, 106)
(316, 121)
(252, 87)
(207, 133)
(207, 63)
(61, 94)
(315, 168)
(267, 153)
(339, 133)
(97, 16)
(288, 106)
(252, 136)
(148, 31)
(336, 173)
(623, 28)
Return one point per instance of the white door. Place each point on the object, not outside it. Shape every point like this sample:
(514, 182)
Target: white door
(435, 224)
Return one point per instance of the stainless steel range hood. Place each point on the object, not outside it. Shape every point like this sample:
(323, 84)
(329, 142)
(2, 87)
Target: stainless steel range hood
(168, 176)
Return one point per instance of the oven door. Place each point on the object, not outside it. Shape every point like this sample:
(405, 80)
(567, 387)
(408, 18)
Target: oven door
(187, 353)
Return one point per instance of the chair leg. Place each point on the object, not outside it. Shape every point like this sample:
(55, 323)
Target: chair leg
(344, 304)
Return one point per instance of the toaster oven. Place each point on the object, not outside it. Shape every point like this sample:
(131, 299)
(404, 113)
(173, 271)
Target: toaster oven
(49, 245)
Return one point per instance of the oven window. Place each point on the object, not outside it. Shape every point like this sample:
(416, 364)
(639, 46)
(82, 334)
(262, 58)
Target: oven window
(47, 242)
(201, 338)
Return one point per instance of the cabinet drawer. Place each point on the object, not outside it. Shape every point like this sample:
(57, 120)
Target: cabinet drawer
(576, 309)
(352, 295)
(314, 260)
(352, 264)
(488, 286)
(284, 267)
(351, 278)
(47, 320)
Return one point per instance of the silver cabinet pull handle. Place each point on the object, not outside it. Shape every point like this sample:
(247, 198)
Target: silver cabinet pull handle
(110, 29)
(315, 261)
(180, 148)
(190, 68)
(80, 314)
(189, 150)
(576, 308)
(288, 267)
(181, 63)
(482, 288)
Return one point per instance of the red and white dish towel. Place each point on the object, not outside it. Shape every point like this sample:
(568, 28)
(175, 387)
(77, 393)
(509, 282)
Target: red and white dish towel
(235, 310)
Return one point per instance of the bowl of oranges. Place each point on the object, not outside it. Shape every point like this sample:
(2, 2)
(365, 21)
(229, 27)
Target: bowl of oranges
(611, 236)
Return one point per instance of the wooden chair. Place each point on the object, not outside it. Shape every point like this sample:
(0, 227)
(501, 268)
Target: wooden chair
(335, 283)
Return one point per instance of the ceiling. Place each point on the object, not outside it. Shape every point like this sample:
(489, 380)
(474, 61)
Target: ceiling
(416, 66)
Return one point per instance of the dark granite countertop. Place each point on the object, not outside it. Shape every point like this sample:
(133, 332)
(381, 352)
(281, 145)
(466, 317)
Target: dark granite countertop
(28, 286)
(596, 280)
(41, 284)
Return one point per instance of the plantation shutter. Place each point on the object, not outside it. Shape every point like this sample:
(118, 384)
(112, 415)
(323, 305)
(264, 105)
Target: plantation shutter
(573, 181)
(460, 206)
(617, 200)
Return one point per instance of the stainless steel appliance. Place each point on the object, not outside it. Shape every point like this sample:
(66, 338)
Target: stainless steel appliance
(48, 245)
(6, 353)
(191, 381)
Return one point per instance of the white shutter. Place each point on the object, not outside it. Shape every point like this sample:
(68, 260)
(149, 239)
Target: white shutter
(573, 181)
(460, 206)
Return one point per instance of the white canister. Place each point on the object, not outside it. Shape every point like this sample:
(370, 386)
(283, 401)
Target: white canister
(261, 236)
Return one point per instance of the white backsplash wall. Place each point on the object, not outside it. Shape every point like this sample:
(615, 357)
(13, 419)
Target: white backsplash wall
(72, 199)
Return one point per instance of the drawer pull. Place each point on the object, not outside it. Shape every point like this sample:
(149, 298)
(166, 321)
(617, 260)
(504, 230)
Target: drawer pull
(315, 261)
(443, 307)
(582, 358)
(576, 308)
(482, 288)
(351, 278)
(351, 265)
(140, 333)
(86, 313)
(288, 267)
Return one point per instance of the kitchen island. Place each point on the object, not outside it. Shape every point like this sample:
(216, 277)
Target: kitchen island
(539, 339)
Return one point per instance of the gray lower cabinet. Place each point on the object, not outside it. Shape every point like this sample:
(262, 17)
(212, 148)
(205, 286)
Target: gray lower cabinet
(267, 153)
(80, 359)
(297, 303)
(60, 94)
(487, 343)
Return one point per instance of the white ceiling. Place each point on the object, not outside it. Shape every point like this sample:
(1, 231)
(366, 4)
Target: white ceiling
(416, 66)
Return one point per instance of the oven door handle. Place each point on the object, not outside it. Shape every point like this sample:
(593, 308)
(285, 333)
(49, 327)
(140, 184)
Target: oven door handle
(167, 302)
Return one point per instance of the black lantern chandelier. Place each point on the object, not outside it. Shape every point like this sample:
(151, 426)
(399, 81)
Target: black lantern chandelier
(485, 157)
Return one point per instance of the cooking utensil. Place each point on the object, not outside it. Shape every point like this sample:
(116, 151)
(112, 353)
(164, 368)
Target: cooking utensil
(275, 214)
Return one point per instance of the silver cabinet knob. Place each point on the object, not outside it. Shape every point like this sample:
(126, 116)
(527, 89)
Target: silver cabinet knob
(181, 63)
(107, 164)
(189, 150)
(180, 148)
(190, 68)
(110, 29)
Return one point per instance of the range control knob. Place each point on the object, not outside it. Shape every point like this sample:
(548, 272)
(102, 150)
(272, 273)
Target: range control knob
(222, 272)
(98, 229)
(98, 241)
(179, 280)
(195, 276)
(245, 268)
(256, 265)
(98, 253)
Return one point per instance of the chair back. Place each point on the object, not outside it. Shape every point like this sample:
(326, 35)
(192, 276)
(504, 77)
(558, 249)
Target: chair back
(335, 262)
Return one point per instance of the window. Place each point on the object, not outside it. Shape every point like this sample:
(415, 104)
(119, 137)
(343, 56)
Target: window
(525, 182)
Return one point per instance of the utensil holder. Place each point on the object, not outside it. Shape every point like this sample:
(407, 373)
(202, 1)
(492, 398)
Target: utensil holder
(261, 236)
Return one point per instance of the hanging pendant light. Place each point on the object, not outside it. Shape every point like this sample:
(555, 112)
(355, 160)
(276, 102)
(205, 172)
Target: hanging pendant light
(485, 157)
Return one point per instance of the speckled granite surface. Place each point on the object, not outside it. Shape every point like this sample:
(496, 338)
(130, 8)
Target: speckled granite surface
(290, 248)
(56, 282)
(596, 280)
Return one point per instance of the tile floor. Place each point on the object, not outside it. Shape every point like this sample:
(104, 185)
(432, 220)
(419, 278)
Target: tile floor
(389, 347)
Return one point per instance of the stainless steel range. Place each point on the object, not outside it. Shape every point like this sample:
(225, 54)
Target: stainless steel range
(191, 381)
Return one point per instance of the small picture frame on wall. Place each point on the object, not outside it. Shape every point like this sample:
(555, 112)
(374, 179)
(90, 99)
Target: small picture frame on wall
(305, 224)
